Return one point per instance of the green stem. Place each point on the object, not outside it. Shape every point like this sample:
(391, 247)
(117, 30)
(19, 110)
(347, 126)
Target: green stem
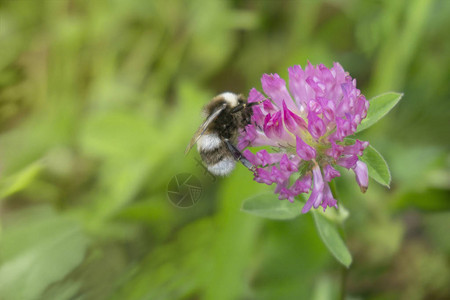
(345, 270)
(344, 276)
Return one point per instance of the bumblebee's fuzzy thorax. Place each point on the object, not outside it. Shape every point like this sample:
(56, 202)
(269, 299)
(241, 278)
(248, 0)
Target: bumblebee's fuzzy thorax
(227, 124)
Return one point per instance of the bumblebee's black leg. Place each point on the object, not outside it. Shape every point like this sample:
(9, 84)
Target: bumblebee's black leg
(238, 156)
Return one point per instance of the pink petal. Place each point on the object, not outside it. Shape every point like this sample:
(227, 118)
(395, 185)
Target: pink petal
(347, 161)
(264, 157)
(335, 151)
(285, 193)
(255, 96)
(251, 157)
(305, 151)
(287, 165)
(293, 122)
(315, 199)
(263, 176)
(329, 173)
(247, 137)
(362, 175)
(273, 126)
(316, 126)
(315, 196)
(356, 149)
(269, 107)
(328, 199)
(258, 116)
(302, 185)
(275, 88)
(300, 90)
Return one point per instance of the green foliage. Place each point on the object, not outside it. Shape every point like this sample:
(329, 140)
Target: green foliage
(378, 108)
(330, 236)
(377, 166)
(29, 252)
(266, 205)
(19, 181)
(98, 100)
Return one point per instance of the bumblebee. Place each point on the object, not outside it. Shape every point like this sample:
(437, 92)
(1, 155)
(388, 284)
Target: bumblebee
(225, 115)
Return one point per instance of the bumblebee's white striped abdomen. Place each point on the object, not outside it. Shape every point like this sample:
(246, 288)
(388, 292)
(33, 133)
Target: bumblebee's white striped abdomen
(208, 142)
(223, 167)
(215, 155)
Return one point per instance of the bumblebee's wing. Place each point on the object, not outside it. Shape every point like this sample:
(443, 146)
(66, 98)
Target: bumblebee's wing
(204, 126)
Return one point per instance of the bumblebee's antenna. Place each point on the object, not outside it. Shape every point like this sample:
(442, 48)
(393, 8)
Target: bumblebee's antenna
(254, 103)
(245, 105)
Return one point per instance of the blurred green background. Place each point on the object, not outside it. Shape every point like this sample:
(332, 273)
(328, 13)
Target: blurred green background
(98, 100)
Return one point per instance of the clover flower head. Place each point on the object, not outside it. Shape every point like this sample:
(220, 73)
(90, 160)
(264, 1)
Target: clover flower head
(305, 125)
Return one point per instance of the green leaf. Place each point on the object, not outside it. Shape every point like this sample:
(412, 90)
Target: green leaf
(330, 236)
(64, 290)
(38, 253)
(19, 181)
(377, 166)
(266, 205)
(379, 107)
(104, 135)
(337, 216)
